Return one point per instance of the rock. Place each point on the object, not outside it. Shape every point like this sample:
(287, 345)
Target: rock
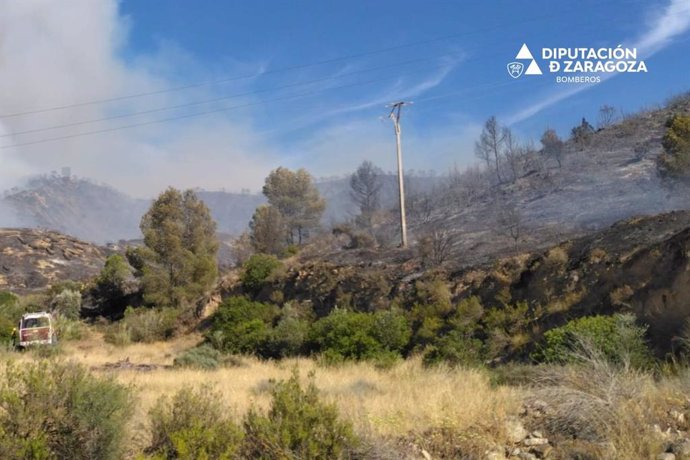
(515, 452)
(681, 447)
(515, 430)
(536, 434)
(529, 442)
(426, 454)
(527, 456)
(542, 451)
(666, 456)
(494, 456)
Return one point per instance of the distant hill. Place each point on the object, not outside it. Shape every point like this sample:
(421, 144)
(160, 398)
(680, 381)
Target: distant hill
(610, 177)
(100, 213)
(79, 207)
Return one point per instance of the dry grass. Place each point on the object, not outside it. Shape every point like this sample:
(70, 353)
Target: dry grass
(610, 411)
(393, 403)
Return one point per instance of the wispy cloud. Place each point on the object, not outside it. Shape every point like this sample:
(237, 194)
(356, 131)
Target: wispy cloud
(662, 29)
(401, 89)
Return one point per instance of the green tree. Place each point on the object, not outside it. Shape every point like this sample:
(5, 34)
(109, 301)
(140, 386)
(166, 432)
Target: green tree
(268, 230)
(179, 258)
(675, 161)
(111, 281)
(296, 197)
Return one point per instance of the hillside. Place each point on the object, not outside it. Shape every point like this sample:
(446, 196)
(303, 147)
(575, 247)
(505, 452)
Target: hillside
(31, 260)
(611, 177)
(639, 265)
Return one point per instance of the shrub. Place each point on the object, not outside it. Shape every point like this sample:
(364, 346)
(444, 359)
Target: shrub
(69, 329)
(675, 161)
(256, 271)
(118, 334)
(297, 425)
(111, 281)
(287, 338)
(203, 357)
(193, 425)
(616, 337)
(55, 410)
(67, 304)
(392, 330)
(241, 325)
(455, 349)
(346, 335)
(10, 312)
(143, 325)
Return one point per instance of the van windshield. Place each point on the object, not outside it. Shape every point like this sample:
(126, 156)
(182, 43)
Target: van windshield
(35, 322)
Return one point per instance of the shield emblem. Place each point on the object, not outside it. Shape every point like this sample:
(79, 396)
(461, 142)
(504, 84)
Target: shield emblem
(515, 69)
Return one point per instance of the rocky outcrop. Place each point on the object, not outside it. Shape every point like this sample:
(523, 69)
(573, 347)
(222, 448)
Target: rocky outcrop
(31, 260)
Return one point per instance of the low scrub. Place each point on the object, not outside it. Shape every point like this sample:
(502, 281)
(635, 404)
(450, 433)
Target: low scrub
(242, 326)
(297, 425)
(143, 325)
(202, 357)
(345, 335)
(617, 338)
(55, 410)
(193, 425)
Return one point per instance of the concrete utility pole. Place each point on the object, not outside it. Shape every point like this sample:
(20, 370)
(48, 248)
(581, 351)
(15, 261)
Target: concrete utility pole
(395, 116)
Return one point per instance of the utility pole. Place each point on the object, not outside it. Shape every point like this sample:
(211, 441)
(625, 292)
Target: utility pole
(395, 116)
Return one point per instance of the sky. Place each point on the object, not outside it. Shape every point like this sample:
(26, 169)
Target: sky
(144, 95)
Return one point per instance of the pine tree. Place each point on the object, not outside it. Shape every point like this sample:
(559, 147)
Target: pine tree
(179, 257)
(296, 197)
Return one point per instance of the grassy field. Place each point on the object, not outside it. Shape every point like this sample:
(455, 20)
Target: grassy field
(594, 410)
(386, 403)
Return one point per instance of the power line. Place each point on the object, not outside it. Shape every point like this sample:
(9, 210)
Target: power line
(222, 98)
(249, 93)
(284, 69)
(253, 104)
(191, 115)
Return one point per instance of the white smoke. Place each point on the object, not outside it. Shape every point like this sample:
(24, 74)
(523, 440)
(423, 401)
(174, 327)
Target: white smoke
(60, 53)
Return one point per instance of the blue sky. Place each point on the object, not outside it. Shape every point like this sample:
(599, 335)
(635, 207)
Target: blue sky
(449, 57)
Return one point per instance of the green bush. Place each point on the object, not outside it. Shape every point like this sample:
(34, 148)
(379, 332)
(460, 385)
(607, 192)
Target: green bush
(346, 335)
(111, 281)
(203, 357)
(242, 326)
(392, 330)
(69, 329)
(55, 410)
(143, 325)
(617, 338)
(11, 311)
(675, 161)
(455, 349)
(66, 304)
(118, 334)
(191, 425)
(297, 425)
(287, 338)
(256, 271)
